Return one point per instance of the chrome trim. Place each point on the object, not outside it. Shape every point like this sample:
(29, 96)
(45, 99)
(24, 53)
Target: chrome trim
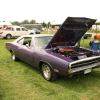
(84, 67)
(84, 64)
(81, 60)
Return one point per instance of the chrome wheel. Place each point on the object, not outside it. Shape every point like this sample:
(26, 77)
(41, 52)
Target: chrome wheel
(46, 71)
(13, 56)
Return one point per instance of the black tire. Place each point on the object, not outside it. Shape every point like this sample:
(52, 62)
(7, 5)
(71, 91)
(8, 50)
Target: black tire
(13, 56)
(8, 36)
(31, 33)
(48, 72)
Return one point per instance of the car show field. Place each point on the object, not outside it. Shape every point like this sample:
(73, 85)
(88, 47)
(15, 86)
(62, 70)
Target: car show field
(20, 81)
(50, 50)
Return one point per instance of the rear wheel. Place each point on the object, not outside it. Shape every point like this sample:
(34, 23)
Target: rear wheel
(48, 72)
(13, 56)
(8, 36)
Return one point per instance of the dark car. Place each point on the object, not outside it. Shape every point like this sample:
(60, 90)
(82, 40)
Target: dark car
(36, 30)
(58, 54)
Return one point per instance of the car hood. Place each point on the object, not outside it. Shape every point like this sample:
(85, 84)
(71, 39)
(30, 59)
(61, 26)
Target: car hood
(71, 31)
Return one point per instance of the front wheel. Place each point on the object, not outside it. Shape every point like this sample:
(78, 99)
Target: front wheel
(31, 33)
(48, 72)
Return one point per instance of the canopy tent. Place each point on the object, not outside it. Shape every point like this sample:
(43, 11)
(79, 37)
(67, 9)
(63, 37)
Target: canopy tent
(97, 23)
(5, 23)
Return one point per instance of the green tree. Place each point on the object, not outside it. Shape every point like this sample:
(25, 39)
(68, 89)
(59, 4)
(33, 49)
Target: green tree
(44, 24)
(25, 22)
(15, 23)
(32, 21)
(49, 24)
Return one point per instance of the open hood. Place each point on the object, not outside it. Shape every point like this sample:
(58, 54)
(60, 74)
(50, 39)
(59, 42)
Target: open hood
(71, 31)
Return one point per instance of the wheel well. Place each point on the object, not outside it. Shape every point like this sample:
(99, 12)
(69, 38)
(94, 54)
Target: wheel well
(41, 62)
(31, 33)
(8, 34)
(11, 51)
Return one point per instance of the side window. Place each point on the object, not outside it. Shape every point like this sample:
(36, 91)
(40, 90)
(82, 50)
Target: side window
(21, 41)
(26, 29)
(25, 40)
(17, 29)
(23, 29)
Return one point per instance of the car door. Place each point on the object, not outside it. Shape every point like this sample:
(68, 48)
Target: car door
(25, 51)
(24, 31)
(18, 32)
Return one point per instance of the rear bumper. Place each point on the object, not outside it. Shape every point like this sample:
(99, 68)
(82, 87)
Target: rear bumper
(1, 37)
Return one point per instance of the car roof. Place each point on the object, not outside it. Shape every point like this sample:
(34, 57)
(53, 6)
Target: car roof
(35, 35)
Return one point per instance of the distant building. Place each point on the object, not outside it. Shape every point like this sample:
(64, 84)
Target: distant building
(55, 25)
(30, 26)
(96, 26)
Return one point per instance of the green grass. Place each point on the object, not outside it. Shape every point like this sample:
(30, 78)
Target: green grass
(20, 81)
(48, 32)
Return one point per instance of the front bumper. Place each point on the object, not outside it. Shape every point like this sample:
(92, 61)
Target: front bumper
(84, 64)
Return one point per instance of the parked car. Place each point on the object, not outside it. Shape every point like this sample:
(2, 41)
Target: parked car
(58, 54)
(14, 32)
(36, 30)
(87, 35)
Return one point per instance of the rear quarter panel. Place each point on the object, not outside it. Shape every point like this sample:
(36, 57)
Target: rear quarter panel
(11, 46)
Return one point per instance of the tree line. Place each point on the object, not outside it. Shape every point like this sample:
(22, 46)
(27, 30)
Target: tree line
(30, 22)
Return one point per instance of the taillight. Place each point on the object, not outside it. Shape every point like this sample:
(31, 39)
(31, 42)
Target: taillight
(1, 32)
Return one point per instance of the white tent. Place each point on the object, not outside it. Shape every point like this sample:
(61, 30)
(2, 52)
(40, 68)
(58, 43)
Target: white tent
(55, 22)
(5, 23)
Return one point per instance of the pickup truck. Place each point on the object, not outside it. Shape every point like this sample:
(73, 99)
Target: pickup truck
(14, 32)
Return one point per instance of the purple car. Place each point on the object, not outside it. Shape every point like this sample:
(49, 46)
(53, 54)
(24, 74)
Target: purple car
(59, 54)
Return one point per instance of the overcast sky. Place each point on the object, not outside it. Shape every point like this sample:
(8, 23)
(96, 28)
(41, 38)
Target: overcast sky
(48, 10)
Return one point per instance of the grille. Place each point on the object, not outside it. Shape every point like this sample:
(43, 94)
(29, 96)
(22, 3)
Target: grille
(83, 64)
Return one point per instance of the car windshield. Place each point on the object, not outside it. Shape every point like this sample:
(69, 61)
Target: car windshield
(42, 42)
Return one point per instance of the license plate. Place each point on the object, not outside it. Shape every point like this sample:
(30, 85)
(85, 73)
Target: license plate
(87, 71)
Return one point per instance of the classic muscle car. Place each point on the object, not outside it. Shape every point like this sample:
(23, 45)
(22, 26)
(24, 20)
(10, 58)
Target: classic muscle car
(57, 54)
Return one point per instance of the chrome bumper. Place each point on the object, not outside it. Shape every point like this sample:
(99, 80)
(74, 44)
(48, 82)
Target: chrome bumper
(83, 64)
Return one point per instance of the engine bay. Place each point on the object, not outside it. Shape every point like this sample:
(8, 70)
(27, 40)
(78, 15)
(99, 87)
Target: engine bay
(73, 52)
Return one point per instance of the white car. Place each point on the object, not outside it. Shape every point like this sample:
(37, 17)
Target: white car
(16, 31)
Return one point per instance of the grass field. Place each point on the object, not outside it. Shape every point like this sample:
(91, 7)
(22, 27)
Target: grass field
(20, 81)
